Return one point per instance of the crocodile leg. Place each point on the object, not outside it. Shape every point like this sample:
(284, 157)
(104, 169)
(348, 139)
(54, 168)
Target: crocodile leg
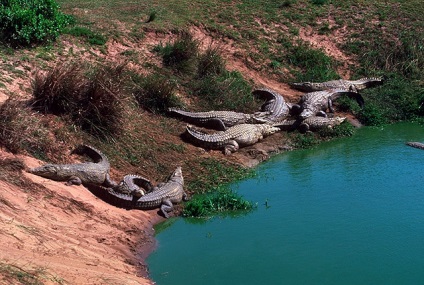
(166, 207)
(74, 180)
(231, 146)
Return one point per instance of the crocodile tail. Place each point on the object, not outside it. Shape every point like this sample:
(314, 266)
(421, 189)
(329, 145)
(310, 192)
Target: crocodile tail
(265, 93)
(203, 139)
(93, 153)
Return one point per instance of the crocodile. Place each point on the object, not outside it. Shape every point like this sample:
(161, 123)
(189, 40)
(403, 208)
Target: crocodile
(162, 196)
(135, 185)
(416, 144)
(233, 138)
(96, 172)
(359, 84)
(275, 104)
(219, 120)
(312, 123)
(316, 103)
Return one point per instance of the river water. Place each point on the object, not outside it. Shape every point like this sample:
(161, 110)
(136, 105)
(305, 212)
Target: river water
(350, 211)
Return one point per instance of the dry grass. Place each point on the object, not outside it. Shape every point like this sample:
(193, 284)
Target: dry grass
(21, 130)
(88, 95)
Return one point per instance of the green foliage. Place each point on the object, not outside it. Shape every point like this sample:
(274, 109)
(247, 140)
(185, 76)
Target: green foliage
(91, 37)
(227, 91)
(180, 55)
(345, 129)
(152, 17)
(87, 95)
(210, 62)
(214, 173)
(221, 201)
(155, 92)
(26, 22)
(315, 65)
(372, 115)
(319, 2)
(305, 140)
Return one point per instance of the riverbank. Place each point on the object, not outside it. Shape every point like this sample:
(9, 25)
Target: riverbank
(65, 235)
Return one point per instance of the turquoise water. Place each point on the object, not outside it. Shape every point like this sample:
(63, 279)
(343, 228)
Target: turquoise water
(350, 211)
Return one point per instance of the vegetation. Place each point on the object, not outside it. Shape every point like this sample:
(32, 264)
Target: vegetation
(86, 95)
(101, 103)
(222, 201)
(21, 130)
(23, 23)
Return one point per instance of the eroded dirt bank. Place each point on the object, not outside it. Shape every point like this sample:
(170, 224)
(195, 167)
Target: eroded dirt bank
(66, 235)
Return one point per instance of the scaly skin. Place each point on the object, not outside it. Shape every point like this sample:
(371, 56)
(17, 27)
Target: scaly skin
(135, 185)
(275, 104)
(163, 196)
(416, 144)
(359, 84)
(312, 123)
(316, 103)
(233, 138)
(96, 172)
(219, 120)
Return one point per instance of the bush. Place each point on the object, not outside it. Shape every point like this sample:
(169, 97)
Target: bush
(222, 201)
(87, 95)
(21, 130)
(210, 63)
(227, 91)
(91, 37)
(155, 93)
(25, 22)
(180, 55)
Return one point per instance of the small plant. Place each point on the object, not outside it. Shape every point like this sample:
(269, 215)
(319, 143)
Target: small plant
(319, 2)
(155, 93)
(210, 62)
(345, 129)
(307, 140)
(25, 22)
(228, 91)
(222, 201)
(152, 17)
(91, 37)
(180, 55)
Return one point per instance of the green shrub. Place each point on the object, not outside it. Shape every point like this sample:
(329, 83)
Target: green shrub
(345, 129)
(87, 95)
(180, 55)
(222, 201)
(227, 91)
(155, 93)
(25, 22)
(210, 62)
(315, 65)
(91, 37)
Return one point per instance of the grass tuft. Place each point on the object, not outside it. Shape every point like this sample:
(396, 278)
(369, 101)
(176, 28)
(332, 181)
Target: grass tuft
(156, 93)
(87, 95)
(222, 201)
(180, 55)
(21, 130)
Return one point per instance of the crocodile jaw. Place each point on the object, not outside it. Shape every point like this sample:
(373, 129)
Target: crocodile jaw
(48, 171)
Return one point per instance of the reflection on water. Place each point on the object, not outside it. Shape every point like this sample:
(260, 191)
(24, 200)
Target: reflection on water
(350, 211)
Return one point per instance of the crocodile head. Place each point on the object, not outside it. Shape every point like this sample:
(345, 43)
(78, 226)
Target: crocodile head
(270, 129)
(303, 86)
(177, 175)
(48, 171)
(306, 113)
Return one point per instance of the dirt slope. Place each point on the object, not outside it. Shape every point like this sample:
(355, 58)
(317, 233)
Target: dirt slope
(64, 234)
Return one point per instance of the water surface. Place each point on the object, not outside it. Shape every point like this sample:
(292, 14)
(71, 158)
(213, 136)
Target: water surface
(350, 211)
